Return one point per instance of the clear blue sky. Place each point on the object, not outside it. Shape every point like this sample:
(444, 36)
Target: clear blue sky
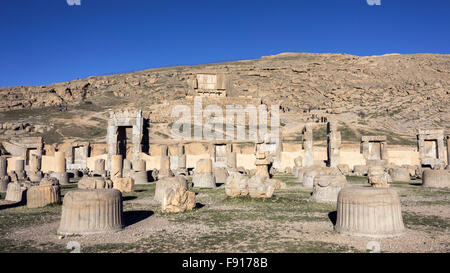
(48, 41)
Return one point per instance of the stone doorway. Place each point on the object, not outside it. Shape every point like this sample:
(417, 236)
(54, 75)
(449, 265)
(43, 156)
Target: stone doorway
(123, 139)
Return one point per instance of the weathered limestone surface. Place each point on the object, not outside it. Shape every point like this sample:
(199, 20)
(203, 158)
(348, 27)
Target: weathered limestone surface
(34, 173)
(360, 170)
(298, 165)
(140, 177)
(262, 164)
(126, 168)
(164, 170)
(13, 176)
(125, 184)
(236, 185)
(309, 175)
(116, 167)
(378, 177)
(116, 139)
(169, 182)
(260, 187)
(60, 162)
(368, 211)
(333, 144)
(327, 186)
(20, 169)
(15, 192)
(448, 153)
(220, 175)
(4, 181)
(436, 178)
(308, 145)
(374, 150)
(3, 166)
(399, 174)
(177, 198)
(412, 169)
(48, 192)
(141, 166)
(344, 168)
(91, 211)
(231, 160)
(63, 178)
(95, 182)
(431, 148)
(99, 167)
(203, 175)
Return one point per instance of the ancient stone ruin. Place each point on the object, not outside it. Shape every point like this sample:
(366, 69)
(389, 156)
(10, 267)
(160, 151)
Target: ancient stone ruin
(399, 174)
(177, 198)
(95, 182)
(34, 173)
(24, 147)
(91, 212)
(327, 185)
(333, 144)
(210, 84)
(369, 211)
(124, 184)
(203, 174)
(236, 185)
(124, 126)
(308, 145)
(169, 182)
(48, 192)
(431, 148)
(436, 178)
(378, 177)
(374, 150)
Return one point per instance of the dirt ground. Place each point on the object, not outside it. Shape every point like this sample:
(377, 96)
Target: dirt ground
(287, 222)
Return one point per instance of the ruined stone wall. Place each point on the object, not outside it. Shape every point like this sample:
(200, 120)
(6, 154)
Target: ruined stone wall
(349, 154)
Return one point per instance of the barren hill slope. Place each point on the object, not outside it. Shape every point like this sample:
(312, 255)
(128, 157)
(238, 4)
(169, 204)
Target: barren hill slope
(395, 93)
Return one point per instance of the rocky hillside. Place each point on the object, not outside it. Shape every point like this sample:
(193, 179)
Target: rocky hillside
(391, 92)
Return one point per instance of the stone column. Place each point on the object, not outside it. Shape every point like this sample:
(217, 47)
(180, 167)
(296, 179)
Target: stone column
(231, 160)
(99, 167)
(116, 167)
(3, 166)
(19, 165)
(35, 163)
(308, 145)
(137, 138)
(448, 153)
(203, 175)
(60, 168)
(60, 162)
(35, 173)
(126, 168)
(262, 164)
(164, 170)
(333, 144)
(140, 172)
(70, 154)
(111, 139)
(20, 169)
(141, 166)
